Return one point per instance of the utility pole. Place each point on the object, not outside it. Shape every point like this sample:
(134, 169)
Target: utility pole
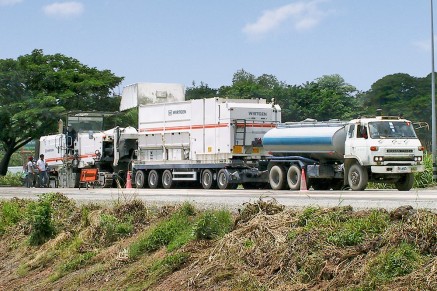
(433, 122)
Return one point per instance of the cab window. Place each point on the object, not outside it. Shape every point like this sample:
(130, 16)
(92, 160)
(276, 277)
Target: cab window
(350, 132)
(362, 131)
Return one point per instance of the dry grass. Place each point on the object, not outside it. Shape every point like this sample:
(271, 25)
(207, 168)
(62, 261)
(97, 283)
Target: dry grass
(269, 248)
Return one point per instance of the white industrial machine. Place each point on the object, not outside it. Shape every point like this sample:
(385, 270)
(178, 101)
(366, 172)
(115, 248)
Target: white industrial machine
(85, 153)
(214, 142)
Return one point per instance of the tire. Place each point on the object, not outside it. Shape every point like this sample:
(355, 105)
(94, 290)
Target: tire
(222, 180)
(208, 180)
(294, 176)
(140, 179)
(167, 179)
(277, 177)
(405, 183)
(153, 179)
(357, 177)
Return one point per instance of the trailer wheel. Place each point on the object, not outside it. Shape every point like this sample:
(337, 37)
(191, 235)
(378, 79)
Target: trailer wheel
(208, 180)
(167, 179)
(405, 183)
(357, 177)
(140, 179)
(277, 177)
(153, 179)
(294, 176)
(222, 180)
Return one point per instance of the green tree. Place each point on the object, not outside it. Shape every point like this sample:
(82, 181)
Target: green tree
(245, 86)
(35, 89)
(334, 98)
(402, 94)
(200, 91)
(328, 97)
(123, 119)
(391, 92)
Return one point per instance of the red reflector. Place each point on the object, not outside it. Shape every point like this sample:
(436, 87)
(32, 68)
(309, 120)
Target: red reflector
(421, 148)
(373, 148)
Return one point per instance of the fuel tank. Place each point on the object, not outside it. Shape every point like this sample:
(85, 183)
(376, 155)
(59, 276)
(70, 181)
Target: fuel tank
(316, 140)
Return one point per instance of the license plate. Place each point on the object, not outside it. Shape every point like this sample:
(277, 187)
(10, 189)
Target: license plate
(403, 169)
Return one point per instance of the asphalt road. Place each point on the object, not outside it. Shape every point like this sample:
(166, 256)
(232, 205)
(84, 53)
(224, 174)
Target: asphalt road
(234, 199)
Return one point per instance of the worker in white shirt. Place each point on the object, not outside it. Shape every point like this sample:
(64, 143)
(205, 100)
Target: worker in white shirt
(42, 172)
(29, 172)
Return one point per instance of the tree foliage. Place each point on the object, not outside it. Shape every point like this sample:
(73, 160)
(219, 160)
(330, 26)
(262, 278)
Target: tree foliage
(402, 94)
(36, 89)
(246, 86)
(328, 97)
(325, 98)
(200, 91)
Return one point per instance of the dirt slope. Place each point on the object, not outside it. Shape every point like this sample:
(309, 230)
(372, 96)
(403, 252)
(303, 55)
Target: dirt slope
(268, 248)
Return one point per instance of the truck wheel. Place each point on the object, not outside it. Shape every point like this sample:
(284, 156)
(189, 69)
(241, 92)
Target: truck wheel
(405, 183)
(222, 180)
(140, 179)
(294, 176)
(277, 177)
(208, 180)
(357, 177)
(167, 179)
(153, 179)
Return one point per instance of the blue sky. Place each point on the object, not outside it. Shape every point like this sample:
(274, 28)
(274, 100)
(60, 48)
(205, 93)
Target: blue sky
(178, 41)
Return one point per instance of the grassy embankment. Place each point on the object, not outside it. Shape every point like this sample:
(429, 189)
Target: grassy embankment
(53, 243)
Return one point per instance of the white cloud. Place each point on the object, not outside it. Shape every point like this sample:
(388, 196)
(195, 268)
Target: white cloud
(64, 9)
(304, 15)
(9, 2)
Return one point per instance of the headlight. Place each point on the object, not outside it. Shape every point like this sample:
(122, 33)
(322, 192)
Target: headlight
(378, 159)
(418, 159)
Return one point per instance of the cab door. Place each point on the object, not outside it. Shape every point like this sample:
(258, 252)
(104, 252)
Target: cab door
(357, 143)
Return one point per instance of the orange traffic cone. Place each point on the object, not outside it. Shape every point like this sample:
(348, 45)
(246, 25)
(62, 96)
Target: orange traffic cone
(303, 181)
(128, 180)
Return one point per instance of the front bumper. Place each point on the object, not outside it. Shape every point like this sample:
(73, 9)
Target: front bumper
(397, 169)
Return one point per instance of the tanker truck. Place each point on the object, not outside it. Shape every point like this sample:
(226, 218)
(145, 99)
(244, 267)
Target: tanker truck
(337, 154)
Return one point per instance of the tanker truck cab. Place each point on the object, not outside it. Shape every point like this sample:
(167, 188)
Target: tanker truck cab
(382, 149)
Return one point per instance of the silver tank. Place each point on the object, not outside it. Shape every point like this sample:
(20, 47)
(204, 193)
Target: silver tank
(317, 140)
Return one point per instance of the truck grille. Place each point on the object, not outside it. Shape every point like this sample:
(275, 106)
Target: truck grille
(400, 158)
(403, 151)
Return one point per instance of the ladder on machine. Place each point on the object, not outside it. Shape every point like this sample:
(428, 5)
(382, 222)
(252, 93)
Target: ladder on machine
(240, 132)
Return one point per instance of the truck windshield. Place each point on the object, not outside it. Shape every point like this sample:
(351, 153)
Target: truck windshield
(85, 123)
(391, 129)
